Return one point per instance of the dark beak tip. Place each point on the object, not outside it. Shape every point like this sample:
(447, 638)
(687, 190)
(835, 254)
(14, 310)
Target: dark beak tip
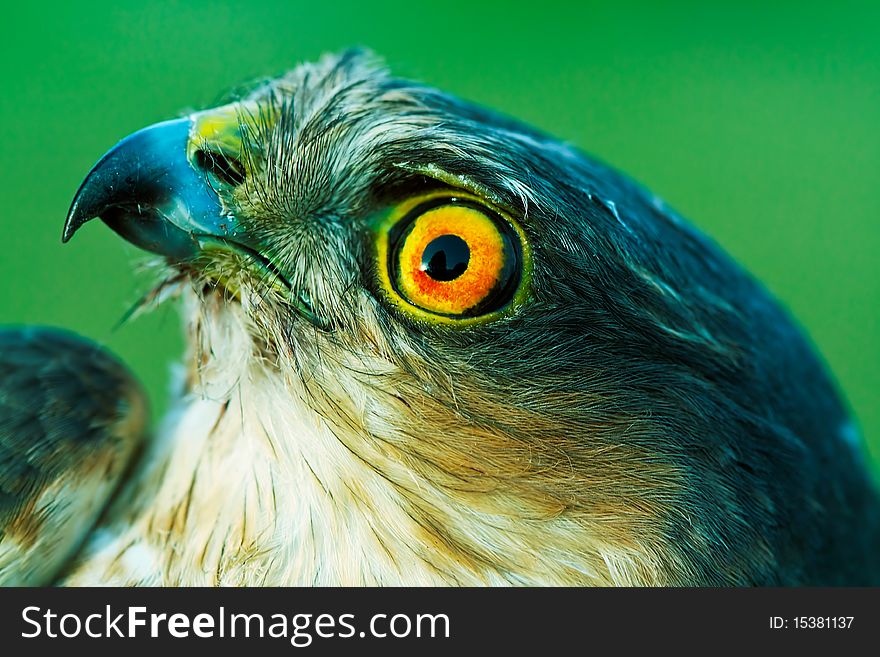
(67, 234)
(92, 200)
(137, 186)
(75, 220)
(69, 228)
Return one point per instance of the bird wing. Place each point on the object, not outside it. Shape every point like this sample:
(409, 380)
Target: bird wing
(71, 418)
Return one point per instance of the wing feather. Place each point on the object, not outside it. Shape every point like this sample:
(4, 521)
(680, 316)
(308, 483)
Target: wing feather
(71, 418)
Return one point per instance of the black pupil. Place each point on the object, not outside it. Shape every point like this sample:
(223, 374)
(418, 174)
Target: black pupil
(446, 258)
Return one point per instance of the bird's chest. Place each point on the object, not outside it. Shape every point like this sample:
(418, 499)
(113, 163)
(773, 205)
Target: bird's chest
(248, 490)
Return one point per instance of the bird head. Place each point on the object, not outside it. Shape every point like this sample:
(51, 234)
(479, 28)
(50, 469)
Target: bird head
(547, 364)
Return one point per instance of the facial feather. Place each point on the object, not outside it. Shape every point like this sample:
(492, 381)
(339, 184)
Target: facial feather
(631, 423)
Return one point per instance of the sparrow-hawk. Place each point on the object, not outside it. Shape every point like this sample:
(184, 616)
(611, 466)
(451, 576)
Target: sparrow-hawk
(427, 344)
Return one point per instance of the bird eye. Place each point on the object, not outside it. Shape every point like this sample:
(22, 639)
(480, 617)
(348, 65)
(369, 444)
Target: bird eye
(453, 256)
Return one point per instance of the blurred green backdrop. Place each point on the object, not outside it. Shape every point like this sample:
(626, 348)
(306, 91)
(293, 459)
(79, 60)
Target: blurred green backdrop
(760, 123)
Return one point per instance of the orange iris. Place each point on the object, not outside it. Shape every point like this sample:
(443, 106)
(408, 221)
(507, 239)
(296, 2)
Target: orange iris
(451, 259)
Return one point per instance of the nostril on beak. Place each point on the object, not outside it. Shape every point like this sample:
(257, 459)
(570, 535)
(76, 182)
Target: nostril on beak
(226, 169)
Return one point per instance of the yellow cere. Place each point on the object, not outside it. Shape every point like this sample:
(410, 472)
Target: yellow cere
(219, 129)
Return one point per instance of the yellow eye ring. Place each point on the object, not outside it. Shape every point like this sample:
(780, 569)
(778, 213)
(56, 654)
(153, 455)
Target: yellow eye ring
(449, 256)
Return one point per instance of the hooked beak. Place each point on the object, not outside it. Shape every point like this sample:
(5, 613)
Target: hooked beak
(158, 189)
(148, 191)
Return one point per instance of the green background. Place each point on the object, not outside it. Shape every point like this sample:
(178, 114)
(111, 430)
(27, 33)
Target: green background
(761, 124)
